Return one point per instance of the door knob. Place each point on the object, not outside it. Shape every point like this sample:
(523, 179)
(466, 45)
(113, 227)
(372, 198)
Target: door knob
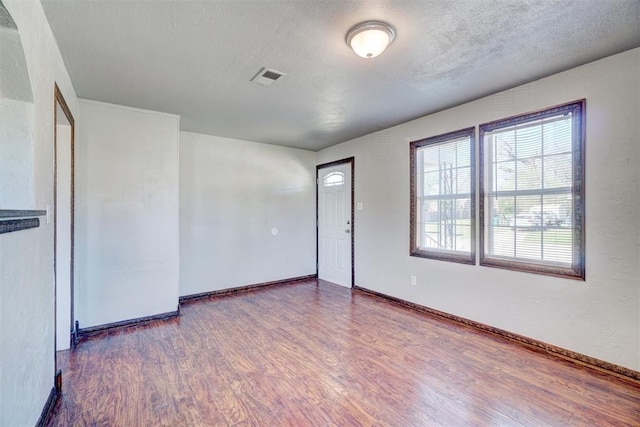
(347, 231)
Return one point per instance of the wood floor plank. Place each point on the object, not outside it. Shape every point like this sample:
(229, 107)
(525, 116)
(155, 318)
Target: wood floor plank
(314, 353)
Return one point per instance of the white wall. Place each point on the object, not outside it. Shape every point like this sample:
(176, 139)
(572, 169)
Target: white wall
(126, 214)
(16, 154)
(232, 194)
(16, 124)
(26, 257)
(599, 317)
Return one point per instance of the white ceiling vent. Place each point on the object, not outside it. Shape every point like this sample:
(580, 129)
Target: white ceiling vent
(266, 76)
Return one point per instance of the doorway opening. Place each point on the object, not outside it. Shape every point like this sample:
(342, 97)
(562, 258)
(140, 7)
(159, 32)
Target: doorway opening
(335, 222)
(63, 219)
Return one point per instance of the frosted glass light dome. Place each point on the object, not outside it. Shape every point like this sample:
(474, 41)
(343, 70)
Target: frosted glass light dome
(369, 39)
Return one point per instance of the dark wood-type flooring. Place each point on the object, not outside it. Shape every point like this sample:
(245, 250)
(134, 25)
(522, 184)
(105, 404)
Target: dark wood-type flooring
(316, 354)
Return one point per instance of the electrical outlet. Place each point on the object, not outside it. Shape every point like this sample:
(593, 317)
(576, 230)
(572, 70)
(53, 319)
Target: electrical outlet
(413, 280)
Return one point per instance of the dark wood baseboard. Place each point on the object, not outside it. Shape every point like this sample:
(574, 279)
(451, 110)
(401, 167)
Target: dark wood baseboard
(94, 330)
(563, 353)
(248, 288)
(47, 410)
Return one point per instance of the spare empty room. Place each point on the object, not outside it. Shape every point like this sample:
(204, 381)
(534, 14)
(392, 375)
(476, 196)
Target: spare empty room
(221, 213)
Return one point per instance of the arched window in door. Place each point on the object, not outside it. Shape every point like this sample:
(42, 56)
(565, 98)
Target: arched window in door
(334, 179)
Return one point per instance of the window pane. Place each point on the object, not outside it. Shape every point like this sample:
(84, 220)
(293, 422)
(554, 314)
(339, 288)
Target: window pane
(561, 206)
(500, 212)
(557, 244)
(447, 154)
(557, 171)
(463, 225)
(505, 146)
(503, 242)
(529, 141)
(442, 226)
(557, 137)
(463, 180)
(505, 176)
(432, 183)
(503, 210)
(529, 173)
(464, 157)
(431, 160)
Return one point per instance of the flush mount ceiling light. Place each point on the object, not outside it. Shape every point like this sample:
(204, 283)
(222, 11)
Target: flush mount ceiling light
(370, 38)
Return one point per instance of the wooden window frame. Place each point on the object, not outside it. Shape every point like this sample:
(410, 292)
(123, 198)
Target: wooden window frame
(577, 269)
(443, 255)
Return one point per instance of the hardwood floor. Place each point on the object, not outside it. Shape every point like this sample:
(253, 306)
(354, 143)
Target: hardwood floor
(317, 354)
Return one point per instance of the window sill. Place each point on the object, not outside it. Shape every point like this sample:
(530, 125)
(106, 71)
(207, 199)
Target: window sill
(575, 273)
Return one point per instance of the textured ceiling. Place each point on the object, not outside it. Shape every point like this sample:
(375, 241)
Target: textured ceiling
(196, 58)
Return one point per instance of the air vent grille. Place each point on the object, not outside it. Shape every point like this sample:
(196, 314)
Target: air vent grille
(266, 76)
(271, 75)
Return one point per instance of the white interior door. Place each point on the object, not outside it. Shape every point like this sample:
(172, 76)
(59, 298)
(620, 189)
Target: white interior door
(334, 224)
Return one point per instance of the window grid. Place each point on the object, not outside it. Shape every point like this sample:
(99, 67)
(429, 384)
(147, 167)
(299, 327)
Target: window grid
(534, 223)
(443, 197)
